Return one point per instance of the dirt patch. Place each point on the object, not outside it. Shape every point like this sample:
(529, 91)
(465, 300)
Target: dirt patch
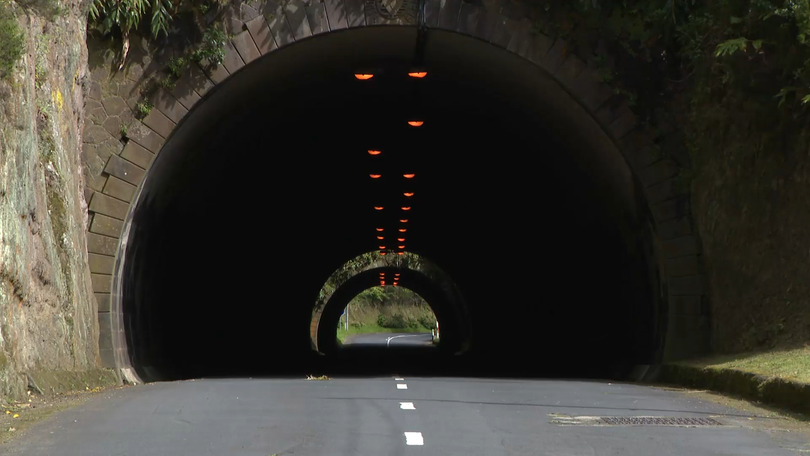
(17, 416)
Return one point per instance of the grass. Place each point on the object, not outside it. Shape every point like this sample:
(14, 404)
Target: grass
(789, 364)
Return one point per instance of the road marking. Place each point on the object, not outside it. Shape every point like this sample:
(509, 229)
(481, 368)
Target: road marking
(388, 340)
(414, 438)
(399, 379)
(407, 406)
(402, 386)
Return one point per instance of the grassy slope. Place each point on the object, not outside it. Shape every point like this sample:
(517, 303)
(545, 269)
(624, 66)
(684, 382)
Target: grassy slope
(790, 364)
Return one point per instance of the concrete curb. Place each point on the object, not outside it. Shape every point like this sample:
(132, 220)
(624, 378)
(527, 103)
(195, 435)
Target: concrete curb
(785, 394)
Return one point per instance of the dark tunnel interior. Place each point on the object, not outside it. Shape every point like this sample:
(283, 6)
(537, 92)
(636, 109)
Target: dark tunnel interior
(264, 189)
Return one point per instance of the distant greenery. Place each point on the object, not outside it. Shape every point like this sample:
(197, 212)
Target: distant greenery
(12, 42)
(387, 309)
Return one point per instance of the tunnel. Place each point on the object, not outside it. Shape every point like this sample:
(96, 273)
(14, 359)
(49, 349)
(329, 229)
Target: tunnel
(266, 187)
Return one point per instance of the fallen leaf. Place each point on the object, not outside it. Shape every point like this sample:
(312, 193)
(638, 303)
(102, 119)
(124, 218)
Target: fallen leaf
(16, 415)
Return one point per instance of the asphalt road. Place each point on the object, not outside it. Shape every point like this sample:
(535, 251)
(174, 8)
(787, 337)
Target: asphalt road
(377, 417)
(391, 339)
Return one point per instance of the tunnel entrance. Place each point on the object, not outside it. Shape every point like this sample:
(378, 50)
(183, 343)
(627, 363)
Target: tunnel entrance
(265, 188)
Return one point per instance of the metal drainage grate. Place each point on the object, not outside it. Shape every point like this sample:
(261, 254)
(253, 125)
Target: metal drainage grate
(657, 421)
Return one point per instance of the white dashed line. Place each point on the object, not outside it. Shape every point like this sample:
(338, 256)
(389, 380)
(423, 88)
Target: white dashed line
(402, 386)
(414, 438)
(399, 379)
(407, 406)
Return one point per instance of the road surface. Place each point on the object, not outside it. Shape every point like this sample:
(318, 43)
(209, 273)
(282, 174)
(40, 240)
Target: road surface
(398, 416)
(391, 339)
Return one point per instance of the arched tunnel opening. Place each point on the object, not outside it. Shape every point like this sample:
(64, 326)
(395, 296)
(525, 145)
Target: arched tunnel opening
(264, 189)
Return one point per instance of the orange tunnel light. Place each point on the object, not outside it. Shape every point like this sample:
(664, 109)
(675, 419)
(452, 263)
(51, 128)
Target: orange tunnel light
(378, 208)
(379, 229)
(401, 247)
(381, 237)
(416, 123)
(382, 282)
(418, 74)
(408, 176)
(400, 253)
(382, 247)
(408, 194)
(363, 76)
(374, 152)
(382, 253)
(401, 239)
(375, 176)
(406, 208)
(402, 230)
(404, 220)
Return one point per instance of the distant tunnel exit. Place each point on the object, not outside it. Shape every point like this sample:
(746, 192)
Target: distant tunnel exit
(502, 177)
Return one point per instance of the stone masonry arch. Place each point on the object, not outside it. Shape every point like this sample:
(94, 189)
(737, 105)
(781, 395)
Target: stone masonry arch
(114, 170)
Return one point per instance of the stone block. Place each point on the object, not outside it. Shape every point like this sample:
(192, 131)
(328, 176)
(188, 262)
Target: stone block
(597, 97)
(635, 140)
(670, 209)
(680, 286)
(355, 13)
(679, 247)
(336, 14)
(247, 49)
(467, 18)
(95, 91)
(280, 28)
(611, 111)
(98, 182)
(570, 70)
(683, 266)
(217, 73)
(117, 188)
(198, 80)
(106, 226)
(247, 13)
(488, 20)
(102, 283)
(124, 170)
(663, 191)
(685, 305)
(296, 13)
(145, 136)
(623, 125)
(448, 14)
(158, 122)
(137, 154)
(644, 157)
(113, 126)
(101, 264)
(107, 357)
(168, 106)
(674, 228)
(261, 35)
(114, 106)
(103, 245)
(107, 205)
(95, 134)
(105, 332)
(555, 57)
(232, 62)
(103, 301)
(658, 172)
(316, 16)
(501, 35)
(540, 45)
(184, 93)
(432, 9)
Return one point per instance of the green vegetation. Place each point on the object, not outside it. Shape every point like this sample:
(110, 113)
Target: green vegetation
(143, 109)
(12, 41)
(387, 310)
(791, 364)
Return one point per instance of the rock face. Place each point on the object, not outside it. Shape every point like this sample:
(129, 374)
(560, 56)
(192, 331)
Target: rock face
(47, 308)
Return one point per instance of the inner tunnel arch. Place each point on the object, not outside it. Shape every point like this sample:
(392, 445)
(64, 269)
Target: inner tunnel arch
(633, 226)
